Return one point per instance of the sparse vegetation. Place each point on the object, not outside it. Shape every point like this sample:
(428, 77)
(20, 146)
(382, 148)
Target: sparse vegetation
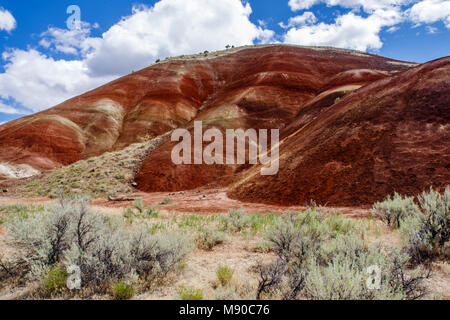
(395, 209)
(235, 221)
(69, 233)
(190, 294)
(99, 176)
(224, 275)
(331, 263)
(54, 280)
(123, 291)
(209, 237)
(428, 234)
(315, 254)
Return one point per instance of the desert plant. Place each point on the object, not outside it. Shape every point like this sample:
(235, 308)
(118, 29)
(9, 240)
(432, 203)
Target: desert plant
(190, 294)
(123, 291)
(332, 265)
(70, 234)
(151, 212)
(395, 209)
(235, 221)
(55, 279)
(224, 274)
(139, 205)
(427, 234)
(209, 237)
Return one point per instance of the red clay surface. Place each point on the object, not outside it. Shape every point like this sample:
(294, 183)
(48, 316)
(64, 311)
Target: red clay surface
(203, 202)
(354, 127)
(392, 135)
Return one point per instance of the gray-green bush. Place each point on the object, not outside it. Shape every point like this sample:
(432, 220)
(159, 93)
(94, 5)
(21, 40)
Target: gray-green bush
(317, 260)
(209, 237)
(395, 209)
(235, 221)
(69, 233)
(428, 234)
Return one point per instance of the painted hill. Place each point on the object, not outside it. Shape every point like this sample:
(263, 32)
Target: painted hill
(354, 126)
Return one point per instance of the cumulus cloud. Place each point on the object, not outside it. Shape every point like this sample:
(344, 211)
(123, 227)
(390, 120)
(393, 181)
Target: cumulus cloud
(171, 27)
(430, 11)
(361, 31)
(7, 21)
(37, 81)
(366, 5)
(10, 110)
(174, 27)
(306, 18)
(348, 31)
(67, 41)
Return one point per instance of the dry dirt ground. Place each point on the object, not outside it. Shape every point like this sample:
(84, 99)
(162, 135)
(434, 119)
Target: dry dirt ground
(238, 251)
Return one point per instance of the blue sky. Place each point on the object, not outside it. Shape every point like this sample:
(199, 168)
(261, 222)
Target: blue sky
(43, 62)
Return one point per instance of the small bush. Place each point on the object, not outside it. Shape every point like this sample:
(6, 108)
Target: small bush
(139, 205)
(235, 221)
(428, 234)
(395, 209)
(123, 291)
(190, 294)
(208, 238)
(54, 280)
(128, 213)
(224, 275)
(151, 212)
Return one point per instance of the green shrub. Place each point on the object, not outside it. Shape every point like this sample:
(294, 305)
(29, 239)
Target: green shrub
(395, 209)
(326, 258)
(428, 234)
(190, 294)
(235, 221)
(70, 234)
(209, 237)
(151, 212)
(123, 291)
(224, 275)
(139, 204)
(54, 280)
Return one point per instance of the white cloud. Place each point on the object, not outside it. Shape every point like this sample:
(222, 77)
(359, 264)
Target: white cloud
(393, 29)
(67, 41)
(348, 31)
(431, 30)
(367, 5)
(10, 110)
(430, 11)
(7, 21)
(296, 5)
(169, 28)
(173, 27)
(37, 81)
(306, 18)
